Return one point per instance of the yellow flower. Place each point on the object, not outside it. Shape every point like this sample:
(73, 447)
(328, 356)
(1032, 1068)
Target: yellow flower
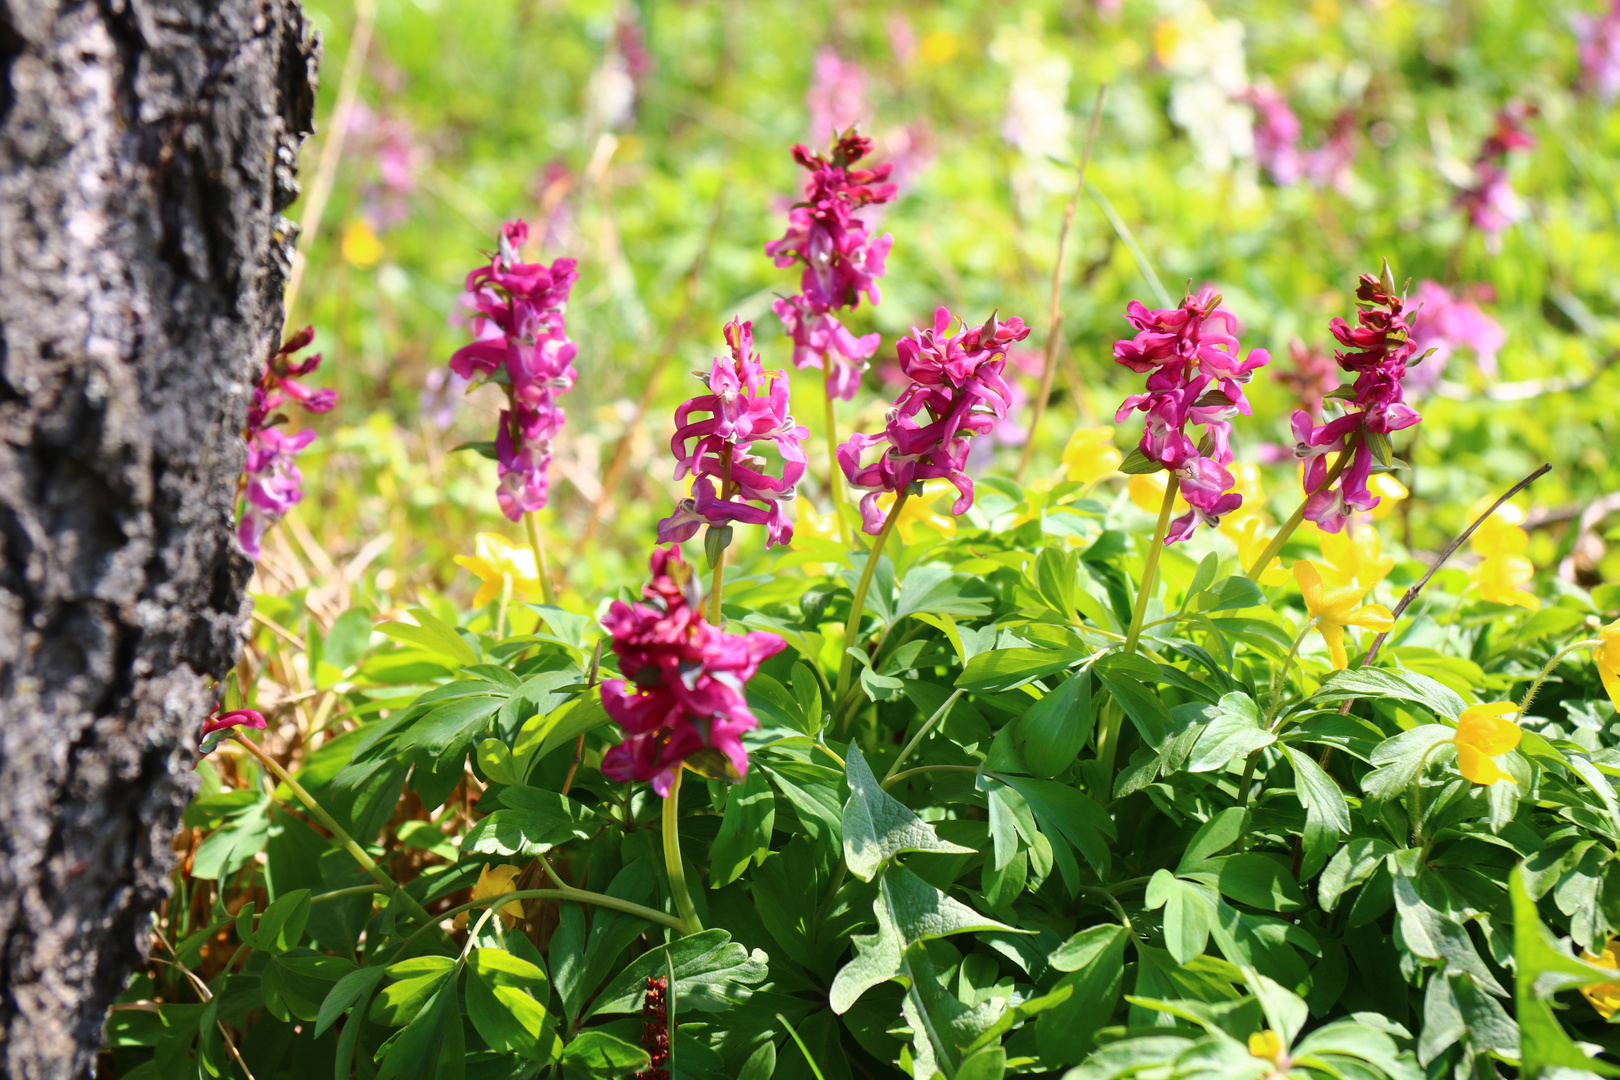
(495, 558)
(1147, 492)
(920, 512)
(1251, 539)
(1605, 997)
(1390, 492)
(360, 246)
(1500, 533)
(1091, 455)
(1500, 576)
(1482, 734)
(1334, 609)
(1607, 656)
(1354, 559)
(939, 47)
(1266, 1045)
(493, 881)
(806, 522)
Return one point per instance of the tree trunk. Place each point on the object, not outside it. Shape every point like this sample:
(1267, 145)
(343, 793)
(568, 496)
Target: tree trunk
(147, 149)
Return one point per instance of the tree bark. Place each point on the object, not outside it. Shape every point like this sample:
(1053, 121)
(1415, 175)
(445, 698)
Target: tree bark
(147, 149)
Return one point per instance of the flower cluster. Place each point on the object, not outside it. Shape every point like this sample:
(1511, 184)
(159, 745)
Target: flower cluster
(1482, 735)
(1195, 376)
(682, 695)
(1377, 351)
(655, 1029)
(1449, 321)
(745, 404)
(1276, 135)
(272, 482)
(956, 391)
(521, 343)
(842, 261)
(1502, 570)
(219, 724)
(1491, 202)
(1600, 52)
(1311, 376)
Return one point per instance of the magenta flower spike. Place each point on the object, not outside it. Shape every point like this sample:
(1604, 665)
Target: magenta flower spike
(1599, 46)
(1196, 373)
(956, 391)
(219, 724)
(1276, 135)
(682, 697)
(1378, 351)
(521, 341)
(842, 261)
(271, 481)
(745, 404)
(1491, 203)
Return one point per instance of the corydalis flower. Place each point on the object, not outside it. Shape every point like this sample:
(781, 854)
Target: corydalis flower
(745, 404)
(1377, 351)
(1600, 51)
(271, 481)
(218, 725)
(842, 261)
(521, 341)
(837, 96)
(956, 391)
(1449, 321)
(682, 696)
(1192, 357)
(1276, 134)
(1491, 202)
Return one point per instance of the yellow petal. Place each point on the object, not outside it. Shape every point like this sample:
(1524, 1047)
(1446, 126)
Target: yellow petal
(1390, 492)
(1372, 617)
(1333, 637)
(1091, 455)
(1483, 728)
(495, 880)
(1611, 682)
(1266, 1044)
(1310, 583)
(1477, 766)
(1605, 998)
(360, 246)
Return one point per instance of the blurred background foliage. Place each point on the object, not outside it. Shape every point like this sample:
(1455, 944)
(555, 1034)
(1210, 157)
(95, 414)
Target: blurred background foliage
(650, 141)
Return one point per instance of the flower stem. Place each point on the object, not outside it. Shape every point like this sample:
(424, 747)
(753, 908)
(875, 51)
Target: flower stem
(531, 522)
(928, 726)
(1152, 564)
(857, 609)
(1530, 695)
(506, 599)
(716, 587)
(1281, 675)
(367, 863)
(1298, 516)
(689, 923)
(835, 477)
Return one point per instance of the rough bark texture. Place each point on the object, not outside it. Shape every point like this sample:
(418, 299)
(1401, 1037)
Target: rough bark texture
(147, 148)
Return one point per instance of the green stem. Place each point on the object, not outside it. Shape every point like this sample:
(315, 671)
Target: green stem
(1298, 516)
(1113, 721)
(577, 895)
(531, 522)
(1530, 695)
(1281, 674)
(928, 726)
(367, 863)
(717, 586)
(1247, 782)
(857, 609)
(1417, 796)
(835, 475)
(895, 778)
(1171, 486)
(506, 599)
(689, 923)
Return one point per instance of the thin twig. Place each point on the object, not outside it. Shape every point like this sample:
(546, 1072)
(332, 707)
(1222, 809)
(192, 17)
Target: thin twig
(354, 62)
(1440, 560)
(1055, 316)
(649, 387)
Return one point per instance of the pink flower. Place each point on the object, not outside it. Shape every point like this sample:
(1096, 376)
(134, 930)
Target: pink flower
(842, 262)
(271, 481)
(215, 727)
(1312, 376)
(1195, 375)
(1446, 323)
(1491, 203)
(1599, 37)
(520, 339)
(1276, 135)
(683, 690)
(956, 391)
(1328, 165)
(837, 95)
(1377, 351)
(745, 404)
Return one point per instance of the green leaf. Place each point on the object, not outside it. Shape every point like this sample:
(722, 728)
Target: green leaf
(761, 1064)
(1399, 759)
(908, 910)
(596, 1053)
(987, 1063)
(745, 830)
(433, 634)
(505, 1001)
(1541, 967)
(1055, 729)
(1326, 808)
(1141, 703)
(1436, 935)
(877, 826)
(348, 639)
(1188, 912)
(1217, 834)
(495, 760)
(1258, 881)
(1068, 818)
(711, 971)
(935, 590)
(351, 991)
(1232, 734)
(1229, 594)
(1377, 683)
(1004, 669)
(282, 923)
(1136, 463)
(1095, 960)
(431, 1044)
(536, 821)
